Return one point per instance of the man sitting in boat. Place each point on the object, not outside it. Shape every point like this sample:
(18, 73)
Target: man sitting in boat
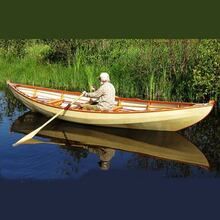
(105, 95)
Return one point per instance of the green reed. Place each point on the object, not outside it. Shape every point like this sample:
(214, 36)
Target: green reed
(151, 69)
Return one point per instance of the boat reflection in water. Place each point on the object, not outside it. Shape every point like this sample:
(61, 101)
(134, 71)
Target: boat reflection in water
(105, 141)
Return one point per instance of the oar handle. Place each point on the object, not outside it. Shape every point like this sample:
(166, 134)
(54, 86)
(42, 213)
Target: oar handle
(75, 100)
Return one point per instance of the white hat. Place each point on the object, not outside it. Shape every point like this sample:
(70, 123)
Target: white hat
(104, 77)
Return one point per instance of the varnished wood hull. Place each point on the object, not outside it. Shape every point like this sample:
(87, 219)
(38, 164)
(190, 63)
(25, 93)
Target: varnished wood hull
(169, 117)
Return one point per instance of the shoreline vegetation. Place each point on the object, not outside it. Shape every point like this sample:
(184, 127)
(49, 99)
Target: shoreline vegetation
(173, 70)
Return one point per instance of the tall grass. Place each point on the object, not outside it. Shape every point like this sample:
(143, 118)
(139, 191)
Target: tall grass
(151, 69)
(30, 70)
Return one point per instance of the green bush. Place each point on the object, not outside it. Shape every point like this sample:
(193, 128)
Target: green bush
(37, 52)
(206, 72)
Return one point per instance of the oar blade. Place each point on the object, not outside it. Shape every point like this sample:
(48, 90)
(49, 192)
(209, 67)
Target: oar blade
(27, 137)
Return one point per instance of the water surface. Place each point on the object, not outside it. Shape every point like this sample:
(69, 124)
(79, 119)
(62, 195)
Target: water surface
(70, 151)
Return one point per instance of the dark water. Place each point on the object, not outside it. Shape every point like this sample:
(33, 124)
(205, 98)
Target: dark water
(69, 151)
(61, 177)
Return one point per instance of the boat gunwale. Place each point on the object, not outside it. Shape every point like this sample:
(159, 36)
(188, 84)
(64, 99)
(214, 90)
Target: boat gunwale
(188, 105)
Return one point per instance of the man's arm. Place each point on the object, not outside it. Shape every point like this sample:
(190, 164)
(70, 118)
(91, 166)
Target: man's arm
(98, 93)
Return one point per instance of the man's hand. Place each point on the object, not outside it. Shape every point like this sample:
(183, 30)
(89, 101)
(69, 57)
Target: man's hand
(84, 93)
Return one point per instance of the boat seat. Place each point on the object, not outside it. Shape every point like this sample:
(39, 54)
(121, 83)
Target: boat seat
(118, 106)
(55, 102)
(34, 94)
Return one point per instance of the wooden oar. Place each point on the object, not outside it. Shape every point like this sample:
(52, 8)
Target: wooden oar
(33, 133)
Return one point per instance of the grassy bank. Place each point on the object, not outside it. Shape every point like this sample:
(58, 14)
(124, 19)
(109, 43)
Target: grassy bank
(184, 70)
(50, 75)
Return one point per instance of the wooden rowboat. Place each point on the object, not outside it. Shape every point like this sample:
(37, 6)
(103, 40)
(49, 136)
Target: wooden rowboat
(128, 112)
(159, 144)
